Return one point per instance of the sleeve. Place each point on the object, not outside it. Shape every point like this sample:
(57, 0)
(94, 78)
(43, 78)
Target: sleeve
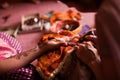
(108, 28)
(6, 50)
(9, 46)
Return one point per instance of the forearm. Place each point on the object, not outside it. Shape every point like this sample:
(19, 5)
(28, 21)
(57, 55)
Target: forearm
(19, 60)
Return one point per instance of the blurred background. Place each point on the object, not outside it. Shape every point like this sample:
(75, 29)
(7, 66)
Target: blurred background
(11, 12)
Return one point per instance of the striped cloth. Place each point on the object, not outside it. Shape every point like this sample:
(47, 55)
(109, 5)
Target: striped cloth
(11, 41)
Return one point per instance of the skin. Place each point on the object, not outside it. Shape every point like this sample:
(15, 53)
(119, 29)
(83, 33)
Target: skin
(84, 6)
(107, 22)
(27, 57)
(108, 39)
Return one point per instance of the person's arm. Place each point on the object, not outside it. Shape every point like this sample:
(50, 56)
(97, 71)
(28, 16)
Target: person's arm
(89, 55)
(86, 51)
(27, 57)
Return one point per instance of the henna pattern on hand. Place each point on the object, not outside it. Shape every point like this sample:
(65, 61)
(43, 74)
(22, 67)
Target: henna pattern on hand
(24, 54)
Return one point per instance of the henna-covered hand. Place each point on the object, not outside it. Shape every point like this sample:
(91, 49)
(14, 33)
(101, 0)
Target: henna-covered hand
(51, 45)
(90, 36)
(88, 54)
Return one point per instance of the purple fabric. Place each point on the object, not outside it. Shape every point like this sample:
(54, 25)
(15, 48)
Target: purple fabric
(26, 73)
(85, 28)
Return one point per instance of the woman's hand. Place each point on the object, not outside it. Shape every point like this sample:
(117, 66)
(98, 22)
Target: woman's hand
(20, 60)
(51, 45)
(92, 36)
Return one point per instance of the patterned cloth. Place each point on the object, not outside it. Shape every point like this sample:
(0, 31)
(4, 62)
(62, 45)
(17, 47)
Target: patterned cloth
(10, 46)
(26, 73)
(11, 41)
(6, 50)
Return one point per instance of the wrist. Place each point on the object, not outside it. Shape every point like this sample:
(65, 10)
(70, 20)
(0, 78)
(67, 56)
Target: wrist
(41, 49)
(42, 46)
